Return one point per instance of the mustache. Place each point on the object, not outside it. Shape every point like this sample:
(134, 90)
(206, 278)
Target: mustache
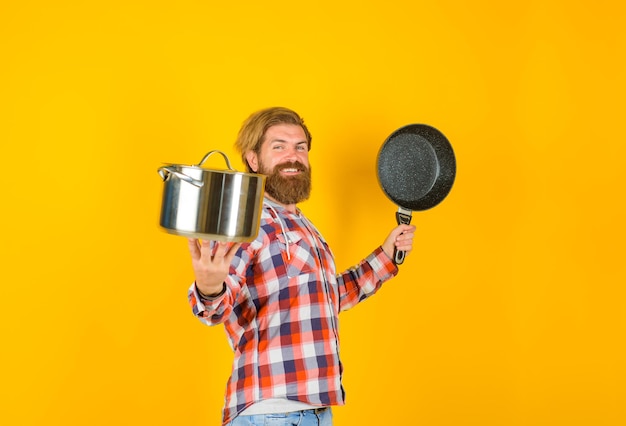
(291, 165)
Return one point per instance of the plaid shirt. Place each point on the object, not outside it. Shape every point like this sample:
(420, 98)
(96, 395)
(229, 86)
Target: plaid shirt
(280, 310)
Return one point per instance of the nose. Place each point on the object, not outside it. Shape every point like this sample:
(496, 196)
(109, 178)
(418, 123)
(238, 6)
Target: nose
(291, 153)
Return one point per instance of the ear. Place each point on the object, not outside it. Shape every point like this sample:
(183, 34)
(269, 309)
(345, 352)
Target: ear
(253, 161)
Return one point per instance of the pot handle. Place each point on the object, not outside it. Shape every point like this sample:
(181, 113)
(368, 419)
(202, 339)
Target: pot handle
(213, 152)
(167, 170)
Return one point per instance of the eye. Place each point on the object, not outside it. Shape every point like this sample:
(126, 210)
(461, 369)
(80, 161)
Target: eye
(302, 148)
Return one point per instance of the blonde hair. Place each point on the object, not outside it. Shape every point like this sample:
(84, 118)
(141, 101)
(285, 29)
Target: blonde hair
(252, 132)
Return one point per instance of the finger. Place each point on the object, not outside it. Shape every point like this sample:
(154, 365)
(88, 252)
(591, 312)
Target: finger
(231, 252)
(405, 236)
(406, 228)
(193, 248)
(404, 242)
(220, 249)
(206, 247)
(398, 230)
(404, 246)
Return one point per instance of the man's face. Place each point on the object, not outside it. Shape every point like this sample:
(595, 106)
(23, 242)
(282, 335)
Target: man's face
(284, 159)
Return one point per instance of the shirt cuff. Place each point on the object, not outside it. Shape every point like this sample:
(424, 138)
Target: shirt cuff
(383, 265)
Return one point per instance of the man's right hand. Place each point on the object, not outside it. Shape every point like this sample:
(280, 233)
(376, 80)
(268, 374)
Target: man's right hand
(211, 264)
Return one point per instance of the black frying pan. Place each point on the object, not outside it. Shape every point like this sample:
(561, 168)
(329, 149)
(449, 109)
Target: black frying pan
(416, 170)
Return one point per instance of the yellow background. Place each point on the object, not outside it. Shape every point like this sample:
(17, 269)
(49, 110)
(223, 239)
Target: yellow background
(510, 311)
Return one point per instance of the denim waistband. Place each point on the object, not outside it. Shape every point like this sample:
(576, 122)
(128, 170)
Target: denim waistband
(314, 410)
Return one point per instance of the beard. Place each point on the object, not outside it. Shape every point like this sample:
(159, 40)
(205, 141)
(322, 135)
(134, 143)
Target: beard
(287, 189)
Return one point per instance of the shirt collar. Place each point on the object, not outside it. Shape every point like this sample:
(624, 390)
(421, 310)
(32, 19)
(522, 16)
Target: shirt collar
(279, 207)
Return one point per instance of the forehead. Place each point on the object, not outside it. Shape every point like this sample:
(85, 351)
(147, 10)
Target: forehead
(285, 133)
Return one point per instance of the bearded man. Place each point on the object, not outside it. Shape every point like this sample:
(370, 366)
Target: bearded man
(279, 296)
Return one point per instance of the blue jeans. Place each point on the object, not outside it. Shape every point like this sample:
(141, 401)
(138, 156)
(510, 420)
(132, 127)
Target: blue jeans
(318, 417)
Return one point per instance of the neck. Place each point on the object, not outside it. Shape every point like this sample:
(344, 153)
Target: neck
(292, 208)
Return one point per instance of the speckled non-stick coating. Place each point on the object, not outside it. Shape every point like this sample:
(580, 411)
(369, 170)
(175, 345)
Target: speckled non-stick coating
(416, 167)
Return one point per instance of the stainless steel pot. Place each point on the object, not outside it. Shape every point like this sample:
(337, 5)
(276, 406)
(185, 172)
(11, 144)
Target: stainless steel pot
(222, 205)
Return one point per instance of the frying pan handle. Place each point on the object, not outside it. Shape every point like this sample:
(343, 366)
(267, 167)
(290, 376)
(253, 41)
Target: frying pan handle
(403, 217)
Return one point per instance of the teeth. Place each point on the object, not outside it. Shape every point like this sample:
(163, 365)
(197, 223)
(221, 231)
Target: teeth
(290, 170)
